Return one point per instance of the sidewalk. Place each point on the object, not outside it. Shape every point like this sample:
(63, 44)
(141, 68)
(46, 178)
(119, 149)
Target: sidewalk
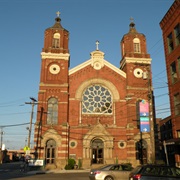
(58, 171)
(68, 171)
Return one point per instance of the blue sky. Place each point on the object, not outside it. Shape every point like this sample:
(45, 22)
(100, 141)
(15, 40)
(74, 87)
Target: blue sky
(22, 38)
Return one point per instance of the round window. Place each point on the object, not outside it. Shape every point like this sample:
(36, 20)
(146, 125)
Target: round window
(97, 99)
(73, 144)
(121, 144)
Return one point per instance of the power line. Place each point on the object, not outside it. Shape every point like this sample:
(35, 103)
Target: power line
(5, 114)
(3, 126)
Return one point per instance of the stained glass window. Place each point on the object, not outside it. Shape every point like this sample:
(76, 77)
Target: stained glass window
(96, 100)
(52, 117)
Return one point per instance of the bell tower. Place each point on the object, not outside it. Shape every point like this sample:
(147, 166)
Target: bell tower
(136, 63)
(55, 55)
(53, 95)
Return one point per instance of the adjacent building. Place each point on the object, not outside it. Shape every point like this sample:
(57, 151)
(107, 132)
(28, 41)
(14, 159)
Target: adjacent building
(95, 113)
(170, 25)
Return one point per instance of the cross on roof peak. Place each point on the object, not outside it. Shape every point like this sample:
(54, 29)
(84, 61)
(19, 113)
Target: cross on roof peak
(97, 45)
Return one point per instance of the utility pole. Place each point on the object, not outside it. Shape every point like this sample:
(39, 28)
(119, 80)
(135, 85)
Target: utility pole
(38, 142)
(1, 149)
(1, 138)
(32, 103)
(151, 116)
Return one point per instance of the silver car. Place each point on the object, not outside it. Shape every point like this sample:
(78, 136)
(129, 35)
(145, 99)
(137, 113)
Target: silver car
(111, 172)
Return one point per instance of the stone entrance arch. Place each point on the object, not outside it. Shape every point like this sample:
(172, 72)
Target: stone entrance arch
(98, 135)
(50, 142)
(146, 151)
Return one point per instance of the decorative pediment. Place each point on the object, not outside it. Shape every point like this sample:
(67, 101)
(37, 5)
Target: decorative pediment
(97, 59)
(51, 134)
(98, 132)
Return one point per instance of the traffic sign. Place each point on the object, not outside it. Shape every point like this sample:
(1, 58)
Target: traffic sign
(26, 148)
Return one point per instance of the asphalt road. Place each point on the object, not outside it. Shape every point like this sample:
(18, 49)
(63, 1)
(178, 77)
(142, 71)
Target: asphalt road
(12, 171)
(59, 176)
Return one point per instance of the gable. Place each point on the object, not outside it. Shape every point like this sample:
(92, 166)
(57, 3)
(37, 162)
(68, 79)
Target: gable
(97, 61)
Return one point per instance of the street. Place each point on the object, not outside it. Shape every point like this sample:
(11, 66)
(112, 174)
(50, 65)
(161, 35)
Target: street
(59, 176)
(12, 171)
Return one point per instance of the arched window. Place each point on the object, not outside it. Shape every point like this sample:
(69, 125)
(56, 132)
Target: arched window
(56, 40)
(137, 48)
(96, 100)
(50, 151)
(52, 116)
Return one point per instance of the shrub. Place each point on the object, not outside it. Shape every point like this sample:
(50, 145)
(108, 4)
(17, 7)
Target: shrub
(70, 165)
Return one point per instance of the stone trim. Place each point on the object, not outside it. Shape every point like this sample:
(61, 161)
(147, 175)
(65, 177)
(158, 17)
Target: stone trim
(57, 56)
(103, 82)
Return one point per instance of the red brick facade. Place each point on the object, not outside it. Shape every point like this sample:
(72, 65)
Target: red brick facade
(170, 25)
(89, 112)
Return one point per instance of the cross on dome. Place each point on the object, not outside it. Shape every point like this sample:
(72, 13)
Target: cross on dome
(97, 44)
(58, 13)
(131, 19)
(132, 25)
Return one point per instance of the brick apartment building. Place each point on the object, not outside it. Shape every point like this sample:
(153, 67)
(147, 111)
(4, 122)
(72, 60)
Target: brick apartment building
(170, 25)
(91, 112)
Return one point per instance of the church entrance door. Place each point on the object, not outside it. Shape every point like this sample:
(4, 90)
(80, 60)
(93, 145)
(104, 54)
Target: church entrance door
(97, 151)
(50, 151)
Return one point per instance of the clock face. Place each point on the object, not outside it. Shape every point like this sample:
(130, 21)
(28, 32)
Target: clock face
(138, 73)
(54, 69)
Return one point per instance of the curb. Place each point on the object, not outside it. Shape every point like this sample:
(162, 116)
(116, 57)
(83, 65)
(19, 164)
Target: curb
(67, 171)
(57, 171)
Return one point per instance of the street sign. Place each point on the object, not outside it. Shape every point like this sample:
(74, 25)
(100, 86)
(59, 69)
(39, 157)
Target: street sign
(144, 116)
(37, 162)
(26, 148)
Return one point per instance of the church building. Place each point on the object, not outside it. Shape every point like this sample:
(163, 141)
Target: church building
(95, 113)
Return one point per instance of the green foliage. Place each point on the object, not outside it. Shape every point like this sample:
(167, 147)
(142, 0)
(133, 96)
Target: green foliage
(79, 163)
(70, 165)
(116, 160)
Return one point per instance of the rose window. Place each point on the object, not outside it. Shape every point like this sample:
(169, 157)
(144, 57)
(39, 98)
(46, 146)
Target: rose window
(96, 100)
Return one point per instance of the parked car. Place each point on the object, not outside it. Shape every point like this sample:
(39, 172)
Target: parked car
(111, 172)
(155, 172)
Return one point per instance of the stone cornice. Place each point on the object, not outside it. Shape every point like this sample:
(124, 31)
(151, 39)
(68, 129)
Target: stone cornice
(146, 61)
(175, 7)
(53, 85)
(55, 56)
